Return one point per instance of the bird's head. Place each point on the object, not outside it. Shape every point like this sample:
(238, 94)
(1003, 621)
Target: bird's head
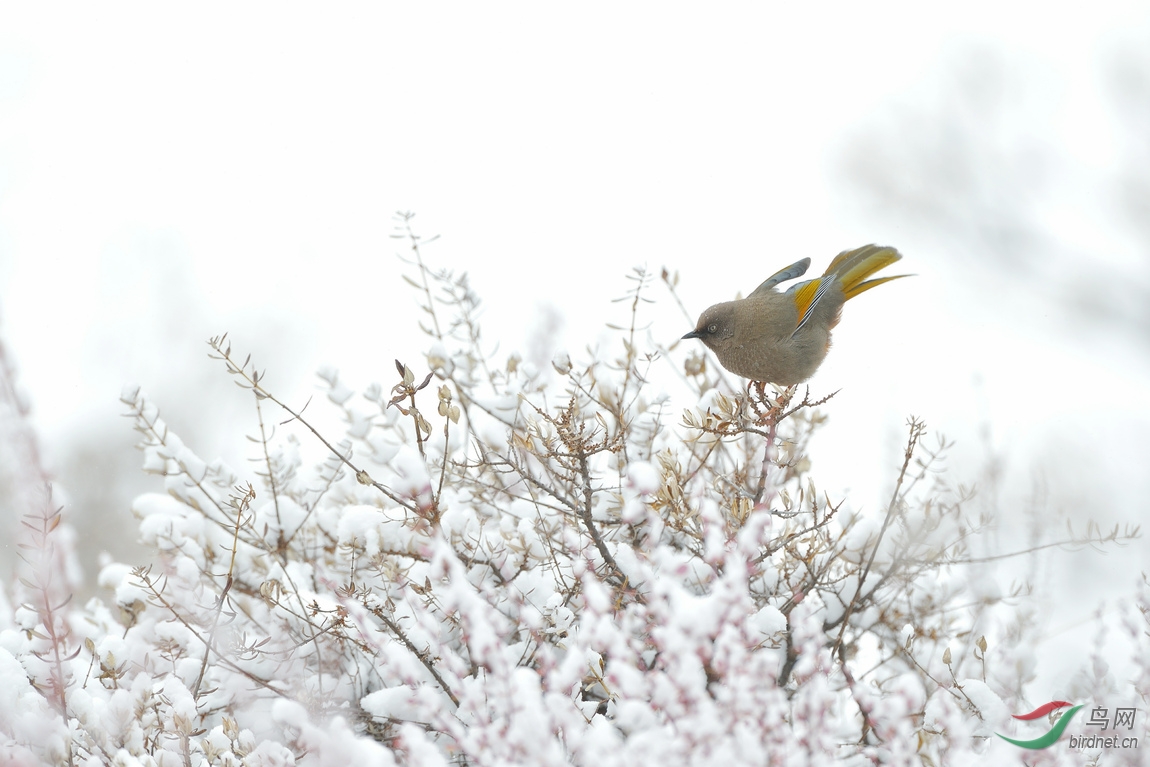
(715, 325)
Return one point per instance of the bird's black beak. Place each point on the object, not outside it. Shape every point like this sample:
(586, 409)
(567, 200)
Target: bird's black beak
(693, 334)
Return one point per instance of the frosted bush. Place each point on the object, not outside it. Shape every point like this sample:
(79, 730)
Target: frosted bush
(494, 567)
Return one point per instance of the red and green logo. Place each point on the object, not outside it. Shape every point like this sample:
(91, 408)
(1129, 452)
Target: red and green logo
(1055, 733)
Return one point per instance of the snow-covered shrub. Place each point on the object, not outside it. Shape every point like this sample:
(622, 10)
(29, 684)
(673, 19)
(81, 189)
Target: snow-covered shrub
(492, 568)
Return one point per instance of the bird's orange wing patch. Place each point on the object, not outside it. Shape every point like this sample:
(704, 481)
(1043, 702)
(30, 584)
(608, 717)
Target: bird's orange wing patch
(805, 297)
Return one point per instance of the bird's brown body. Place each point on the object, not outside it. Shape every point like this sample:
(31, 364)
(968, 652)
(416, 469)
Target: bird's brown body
(782, 338)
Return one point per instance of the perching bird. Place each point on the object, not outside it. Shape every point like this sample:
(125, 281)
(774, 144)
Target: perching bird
(782, 338)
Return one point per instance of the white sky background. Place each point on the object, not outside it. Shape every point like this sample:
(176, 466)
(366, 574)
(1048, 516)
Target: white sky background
(169, 174)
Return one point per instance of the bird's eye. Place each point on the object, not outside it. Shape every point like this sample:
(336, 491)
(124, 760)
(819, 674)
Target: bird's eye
(712, 328)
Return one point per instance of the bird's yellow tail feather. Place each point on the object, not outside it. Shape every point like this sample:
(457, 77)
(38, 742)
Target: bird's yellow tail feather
(852, 267)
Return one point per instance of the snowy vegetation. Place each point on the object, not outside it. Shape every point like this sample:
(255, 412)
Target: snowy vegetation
(500, 567)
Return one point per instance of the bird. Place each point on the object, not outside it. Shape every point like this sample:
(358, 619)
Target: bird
(782, 338)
